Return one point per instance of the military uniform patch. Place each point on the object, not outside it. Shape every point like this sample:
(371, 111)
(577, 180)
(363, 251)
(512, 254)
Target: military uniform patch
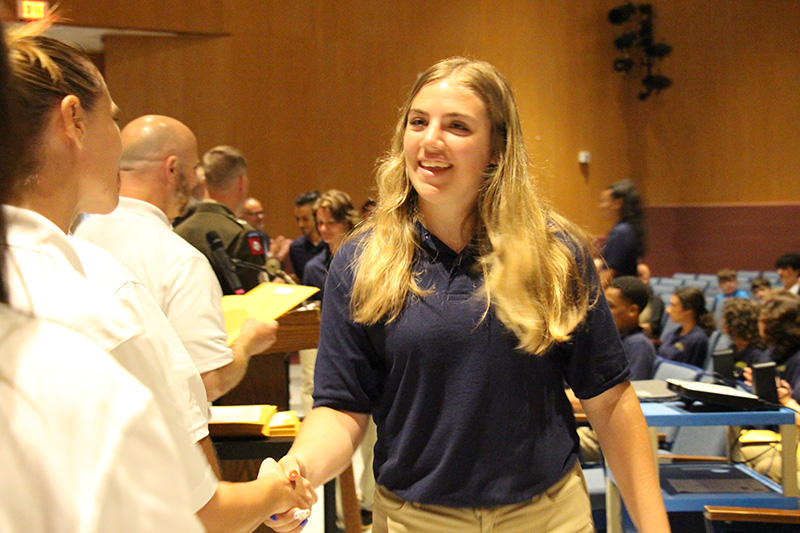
(255, 242)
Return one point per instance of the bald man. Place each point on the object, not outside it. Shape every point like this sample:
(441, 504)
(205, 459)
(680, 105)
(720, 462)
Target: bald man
(252, 211)
(157, 174)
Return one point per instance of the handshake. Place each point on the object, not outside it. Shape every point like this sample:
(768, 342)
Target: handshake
(289, 493)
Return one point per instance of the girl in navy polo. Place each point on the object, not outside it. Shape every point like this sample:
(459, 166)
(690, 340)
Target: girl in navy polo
(454, 317)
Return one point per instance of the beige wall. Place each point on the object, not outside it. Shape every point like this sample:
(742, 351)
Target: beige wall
(309, 90)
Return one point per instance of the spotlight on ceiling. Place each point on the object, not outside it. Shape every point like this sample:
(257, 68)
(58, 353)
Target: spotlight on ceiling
(624, 64)
(640, 52)
(654, 83)
(659, 50)
(620, 14)
(625, 41)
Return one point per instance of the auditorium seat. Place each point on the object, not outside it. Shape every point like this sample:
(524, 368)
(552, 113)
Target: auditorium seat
(699, 283)
(716, 341)
(710, 278)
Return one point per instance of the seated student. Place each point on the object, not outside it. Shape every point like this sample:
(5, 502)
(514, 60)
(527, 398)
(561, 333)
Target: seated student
(788, 267)
(760, 289)
(740, 323)
(627, 297)
(688, 343)
(779, 324)
(728, 287)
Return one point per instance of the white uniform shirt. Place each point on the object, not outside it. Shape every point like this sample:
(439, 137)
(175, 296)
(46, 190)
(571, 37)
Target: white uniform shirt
(104, 271)
(176, 273)
(47, 279)
(84, 447)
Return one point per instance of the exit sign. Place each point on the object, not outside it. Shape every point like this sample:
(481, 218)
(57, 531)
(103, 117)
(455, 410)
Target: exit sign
(30, 10)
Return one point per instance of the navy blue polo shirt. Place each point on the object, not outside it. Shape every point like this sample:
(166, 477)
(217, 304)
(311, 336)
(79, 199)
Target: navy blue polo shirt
(746, 358)
(464, 418)
(301, 251)
(641, 353)
(691, 348)
(788, 369)
(622, 249)
(316, 271)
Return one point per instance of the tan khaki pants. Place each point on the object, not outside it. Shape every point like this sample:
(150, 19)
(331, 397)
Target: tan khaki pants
(366, 483)
(563, 508)
(308, 360)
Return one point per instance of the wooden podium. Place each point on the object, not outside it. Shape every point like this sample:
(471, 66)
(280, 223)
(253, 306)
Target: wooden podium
(267, 378)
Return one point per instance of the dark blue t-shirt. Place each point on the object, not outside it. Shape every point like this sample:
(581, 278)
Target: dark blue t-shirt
(301, 251)
(641, 354)
(464, 418)
(746, 358)
(691, 348)
(621, 251)
(316, 271)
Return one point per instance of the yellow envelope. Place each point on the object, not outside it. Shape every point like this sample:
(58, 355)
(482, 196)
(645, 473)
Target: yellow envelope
(266, 302)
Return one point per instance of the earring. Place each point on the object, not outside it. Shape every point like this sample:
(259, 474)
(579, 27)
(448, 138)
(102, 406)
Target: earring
(31, 181)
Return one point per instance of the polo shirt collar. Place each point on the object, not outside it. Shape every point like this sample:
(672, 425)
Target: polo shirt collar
(143, 208)
(30, 230)
(438, 251)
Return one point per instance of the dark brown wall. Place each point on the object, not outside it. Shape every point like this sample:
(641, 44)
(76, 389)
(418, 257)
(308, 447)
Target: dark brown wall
(308, 90)
(707, 238)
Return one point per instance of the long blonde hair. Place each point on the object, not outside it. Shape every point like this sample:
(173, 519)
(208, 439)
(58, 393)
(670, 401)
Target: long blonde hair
(541, 295)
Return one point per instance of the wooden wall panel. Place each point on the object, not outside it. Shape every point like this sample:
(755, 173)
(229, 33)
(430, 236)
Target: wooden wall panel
(727, 130)
(186, 16)
(310, 91)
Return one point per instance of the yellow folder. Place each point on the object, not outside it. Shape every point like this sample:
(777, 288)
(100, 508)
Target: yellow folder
(266, 302)
(242, 420)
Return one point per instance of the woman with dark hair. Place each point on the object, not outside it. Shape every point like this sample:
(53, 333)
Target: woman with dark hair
(688, 343)
(779, 324)
(740, 323)
(625, 245)
(454, 316)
